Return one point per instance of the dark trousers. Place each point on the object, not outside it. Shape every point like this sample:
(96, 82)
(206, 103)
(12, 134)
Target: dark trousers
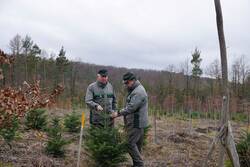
(135, 142)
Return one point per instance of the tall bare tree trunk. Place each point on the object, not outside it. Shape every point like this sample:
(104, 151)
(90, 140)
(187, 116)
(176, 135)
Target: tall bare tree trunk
(26, 65)
(12, 77)
(155, 135)
(225, 135)
(73, 77)
(44, 74)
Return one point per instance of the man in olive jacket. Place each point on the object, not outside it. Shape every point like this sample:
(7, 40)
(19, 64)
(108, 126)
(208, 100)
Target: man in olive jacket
(100, 98)
(135, 115)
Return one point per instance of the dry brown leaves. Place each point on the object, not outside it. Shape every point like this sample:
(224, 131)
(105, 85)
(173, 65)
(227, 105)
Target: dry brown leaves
(18, 102)
(15, 103)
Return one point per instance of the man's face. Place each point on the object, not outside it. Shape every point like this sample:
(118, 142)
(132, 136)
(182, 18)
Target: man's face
(103, 79)
(129, 83)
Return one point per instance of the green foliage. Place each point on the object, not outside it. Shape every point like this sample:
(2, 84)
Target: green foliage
(62, 64)
(239, 117)
(106, 146)
(243, 149)
(183, 115)
(61, 60)
(194, 114)
(36, 119)
(9, 132)
(72, 122)
(196, 60)
(35, 50)
(228, 163)
(56, 143)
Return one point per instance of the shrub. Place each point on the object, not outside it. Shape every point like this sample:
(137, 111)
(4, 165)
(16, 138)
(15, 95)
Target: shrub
(239, 117)
(243, 149)
(106, 146)
(8, 132)
(72, 122)
(36, 119)
(55, 144)
(194, 115)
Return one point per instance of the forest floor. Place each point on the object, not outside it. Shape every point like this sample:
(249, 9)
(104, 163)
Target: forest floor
(178, 143)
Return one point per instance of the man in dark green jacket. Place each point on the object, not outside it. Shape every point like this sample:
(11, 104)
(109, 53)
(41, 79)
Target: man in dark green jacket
(135, 115)
(100, 98)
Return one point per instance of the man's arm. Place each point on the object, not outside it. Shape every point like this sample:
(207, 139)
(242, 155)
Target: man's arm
(89, 98)
(136, 101)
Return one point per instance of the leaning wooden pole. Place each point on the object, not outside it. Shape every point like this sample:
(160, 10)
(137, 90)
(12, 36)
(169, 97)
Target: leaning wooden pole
(225, 135)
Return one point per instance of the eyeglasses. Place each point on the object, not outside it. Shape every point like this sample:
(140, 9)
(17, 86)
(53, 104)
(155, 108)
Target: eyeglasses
(103, 76)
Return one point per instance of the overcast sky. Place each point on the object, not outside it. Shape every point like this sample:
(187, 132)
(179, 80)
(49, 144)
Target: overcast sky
(148, 34)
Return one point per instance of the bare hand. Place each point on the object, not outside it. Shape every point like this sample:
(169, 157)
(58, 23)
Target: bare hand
(114, 114)
(99, 108)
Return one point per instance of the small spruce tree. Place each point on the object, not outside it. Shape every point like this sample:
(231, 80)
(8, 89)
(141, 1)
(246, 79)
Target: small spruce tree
(72, 122)
(106, 145)
(36, 119)
(8, 132)
(56, 143)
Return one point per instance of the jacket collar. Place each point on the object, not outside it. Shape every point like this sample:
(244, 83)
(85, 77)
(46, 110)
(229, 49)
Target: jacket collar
(102, 85)
(136, 83)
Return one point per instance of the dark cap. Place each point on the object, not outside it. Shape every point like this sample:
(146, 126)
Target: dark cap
(128, 76)
(103, 72)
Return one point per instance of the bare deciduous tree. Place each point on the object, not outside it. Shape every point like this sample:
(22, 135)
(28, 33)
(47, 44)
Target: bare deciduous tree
(15, 45)
(213, 70)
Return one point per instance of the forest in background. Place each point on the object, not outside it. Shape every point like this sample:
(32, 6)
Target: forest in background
(184, 107)
(170, 90)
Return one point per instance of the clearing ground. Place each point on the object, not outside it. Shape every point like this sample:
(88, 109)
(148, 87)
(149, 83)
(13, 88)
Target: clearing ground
(179, 143)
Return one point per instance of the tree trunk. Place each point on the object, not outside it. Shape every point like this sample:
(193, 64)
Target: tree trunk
(225, 112)
(26, 66)
(74, 71)
(44, 73)
(225, 135)
(155, 135)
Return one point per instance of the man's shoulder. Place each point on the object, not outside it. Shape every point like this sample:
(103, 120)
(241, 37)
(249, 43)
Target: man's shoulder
(140, 90)
(109, 84)
(92, 85)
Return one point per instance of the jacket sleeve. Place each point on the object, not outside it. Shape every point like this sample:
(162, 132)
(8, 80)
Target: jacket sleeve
(89, 98)
(135, 102)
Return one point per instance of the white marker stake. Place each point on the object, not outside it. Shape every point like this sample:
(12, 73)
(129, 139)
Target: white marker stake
(80, 142)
